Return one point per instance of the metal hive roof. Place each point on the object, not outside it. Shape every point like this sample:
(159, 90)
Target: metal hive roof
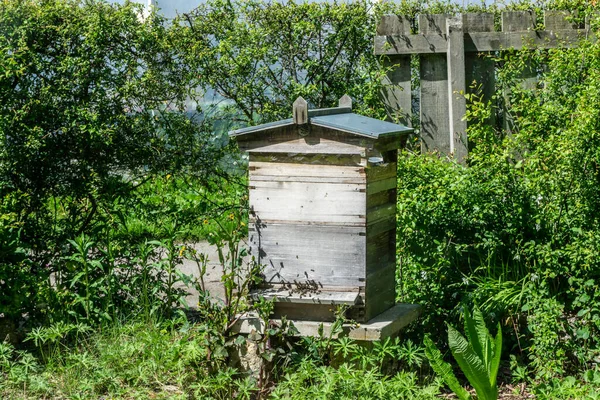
(341, 119)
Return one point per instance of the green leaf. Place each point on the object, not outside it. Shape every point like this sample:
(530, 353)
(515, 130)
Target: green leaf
(443, 369)
(480, 339)
(476, 331)
(240, 340)
(471, 365)
(583, 333)
(495, 364)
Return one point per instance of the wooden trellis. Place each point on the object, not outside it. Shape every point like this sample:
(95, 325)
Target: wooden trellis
(450, 52)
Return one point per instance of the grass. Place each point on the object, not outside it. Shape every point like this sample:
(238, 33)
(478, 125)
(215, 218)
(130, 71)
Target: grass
(171, 360)
(126, 361)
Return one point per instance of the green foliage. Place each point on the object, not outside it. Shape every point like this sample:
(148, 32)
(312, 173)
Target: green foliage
(83, 104)
(517, 231)
(478, 356)
(135, 360)
(177, 360)
(443, 369)
(309, 381)
(103, 176)
(92, 115)
(261, 56)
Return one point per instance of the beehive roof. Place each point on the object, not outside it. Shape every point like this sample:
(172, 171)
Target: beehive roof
(340, 119)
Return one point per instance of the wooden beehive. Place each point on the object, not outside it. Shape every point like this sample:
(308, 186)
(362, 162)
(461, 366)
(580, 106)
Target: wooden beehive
(322, 211)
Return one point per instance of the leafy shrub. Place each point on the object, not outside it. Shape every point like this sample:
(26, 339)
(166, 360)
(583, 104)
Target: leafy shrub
(518, 230)
(93, 102)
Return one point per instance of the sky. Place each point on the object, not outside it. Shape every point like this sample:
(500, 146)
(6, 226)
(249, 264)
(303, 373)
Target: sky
(170, 7)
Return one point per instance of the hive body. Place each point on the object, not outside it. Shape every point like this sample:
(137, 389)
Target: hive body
(322, 219)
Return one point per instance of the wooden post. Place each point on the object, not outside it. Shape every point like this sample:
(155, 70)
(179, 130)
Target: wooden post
(480, 68)
(435, 123)
(457, 106)
(555, 20)
(518, 21)
(396, 92)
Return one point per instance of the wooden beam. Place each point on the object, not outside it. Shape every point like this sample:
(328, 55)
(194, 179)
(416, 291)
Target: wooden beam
(434, 88)
(518, 21)
(522, 22)
(480, 73)
(457, 105)
(482, 41)
(345, 102)
(396, 92)
(300, 111)
(559, 20)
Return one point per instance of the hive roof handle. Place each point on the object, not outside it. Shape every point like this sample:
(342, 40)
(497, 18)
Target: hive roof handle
(345, 101)
(300, 111)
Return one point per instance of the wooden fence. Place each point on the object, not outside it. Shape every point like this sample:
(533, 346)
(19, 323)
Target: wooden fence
(450, 50)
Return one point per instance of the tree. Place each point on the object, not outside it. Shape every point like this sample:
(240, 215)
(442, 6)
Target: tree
(261, 56)
(92, 101)
(89, 94)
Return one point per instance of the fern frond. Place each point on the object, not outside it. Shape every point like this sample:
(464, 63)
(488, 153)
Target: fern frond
(471, 365)
(443, 369)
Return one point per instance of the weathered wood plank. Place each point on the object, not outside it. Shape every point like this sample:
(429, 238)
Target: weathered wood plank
(300, 111)
(345, 102)
(381, 171)
(314, 313)
(381, 198)
(518, 32)
(383, 212)
(480, 73)
(313, 159)
(434, 89)
(303, 145)
(309, 202)
(310, 179)
(559, 20)
(381, 185)
(316, 136)
(285, 294)
(390, 144)
(494, 41)
(410, 44)
(287, 172)
(518, 21)
(484, 41)
(317, 112)
(478, 22)
(385, 325)
(457, 105)
(308, 256)
(396, 92)
(522, 22)
(288, 169)
(381, 249)
(392, 24)
(383, 225)
(284, 287)
(380, 291)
